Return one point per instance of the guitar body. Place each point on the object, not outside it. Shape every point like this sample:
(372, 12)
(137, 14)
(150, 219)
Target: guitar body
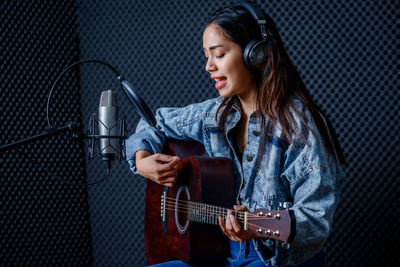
(202, 179)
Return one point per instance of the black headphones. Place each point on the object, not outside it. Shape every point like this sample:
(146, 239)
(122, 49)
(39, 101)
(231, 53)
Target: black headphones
(254, 53)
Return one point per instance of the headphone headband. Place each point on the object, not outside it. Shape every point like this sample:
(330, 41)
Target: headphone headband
(257, 14)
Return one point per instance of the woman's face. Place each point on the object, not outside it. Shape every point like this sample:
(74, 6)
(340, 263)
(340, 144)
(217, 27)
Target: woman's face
(225, 64)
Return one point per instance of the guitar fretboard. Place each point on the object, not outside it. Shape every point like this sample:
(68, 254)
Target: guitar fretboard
(204, 213)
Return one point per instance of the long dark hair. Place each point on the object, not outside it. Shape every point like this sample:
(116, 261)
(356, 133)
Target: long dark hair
(278, 84)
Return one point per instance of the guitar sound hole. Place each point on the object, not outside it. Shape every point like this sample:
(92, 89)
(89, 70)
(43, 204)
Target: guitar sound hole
(181, 209)
(182, 215)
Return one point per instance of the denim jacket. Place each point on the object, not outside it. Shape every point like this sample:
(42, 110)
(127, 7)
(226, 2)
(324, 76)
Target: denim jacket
(303, 174)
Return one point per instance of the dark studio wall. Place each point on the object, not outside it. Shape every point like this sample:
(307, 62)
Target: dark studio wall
(43, 222)
(346, 52)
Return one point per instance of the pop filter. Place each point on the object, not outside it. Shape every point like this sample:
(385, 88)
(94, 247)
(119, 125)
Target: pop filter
(139, 104)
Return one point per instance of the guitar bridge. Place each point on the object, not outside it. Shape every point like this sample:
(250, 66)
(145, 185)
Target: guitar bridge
(163, 206)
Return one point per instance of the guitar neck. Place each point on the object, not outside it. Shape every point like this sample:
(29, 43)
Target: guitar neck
(205, 213)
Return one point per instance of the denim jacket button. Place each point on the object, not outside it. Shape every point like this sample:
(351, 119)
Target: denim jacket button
(249, 158)
(256, 133)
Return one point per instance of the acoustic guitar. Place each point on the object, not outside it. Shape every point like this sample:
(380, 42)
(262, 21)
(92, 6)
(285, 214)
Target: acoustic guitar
(181, 222)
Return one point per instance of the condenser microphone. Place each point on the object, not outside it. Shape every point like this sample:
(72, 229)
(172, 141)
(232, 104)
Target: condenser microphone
(108, 120)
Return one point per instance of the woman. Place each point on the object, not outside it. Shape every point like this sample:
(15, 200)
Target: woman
(282, 147)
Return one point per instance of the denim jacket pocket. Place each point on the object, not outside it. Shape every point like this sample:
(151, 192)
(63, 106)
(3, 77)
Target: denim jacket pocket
(268, 188)
(215, 142)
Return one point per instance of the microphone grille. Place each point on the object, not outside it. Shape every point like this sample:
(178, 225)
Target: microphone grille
(108, 98)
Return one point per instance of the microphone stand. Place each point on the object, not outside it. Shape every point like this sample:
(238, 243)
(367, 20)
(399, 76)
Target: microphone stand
(72, 127)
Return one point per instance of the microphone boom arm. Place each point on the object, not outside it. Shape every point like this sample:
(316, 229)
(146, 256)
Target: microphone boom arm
(51, 131)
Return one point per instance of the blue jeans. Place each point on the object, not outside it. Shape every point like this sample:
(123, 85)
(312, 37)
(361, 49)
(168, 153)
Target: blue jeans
(244, 254)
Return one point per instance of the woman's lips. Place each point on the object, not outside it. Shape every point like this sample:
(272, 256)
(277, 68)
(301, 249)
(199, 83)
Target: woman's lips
(220, 82)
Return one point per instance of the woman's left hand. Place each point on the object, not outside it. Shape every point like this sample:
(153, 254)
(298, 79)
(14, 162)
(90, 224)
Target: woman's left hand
(232, 228)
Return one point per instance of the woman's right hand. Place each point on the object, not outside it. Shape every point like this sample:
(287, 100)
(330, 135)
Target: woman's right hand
(160, 168)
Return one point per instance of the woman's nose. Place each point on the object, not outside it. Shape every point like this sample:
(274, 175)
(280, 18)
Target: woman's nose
(210, 65)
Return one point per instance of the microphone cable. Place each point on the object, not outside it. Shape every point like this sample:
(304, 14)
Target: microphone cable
(114, 70)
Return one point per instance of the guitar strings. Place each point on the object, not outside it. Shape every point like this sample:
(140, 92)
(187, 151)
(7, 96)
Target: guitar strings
(206, 209)
(186, 208)
(207, 213)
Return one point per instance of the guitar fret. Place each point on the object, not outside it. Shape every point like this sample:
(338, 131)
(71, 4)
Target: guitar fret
(194, 212)
(212, 215)
(212, 219)
(202, 213)
(216, 216)
(204, 218)
(197, 212)
(206, 214)
(209, 214)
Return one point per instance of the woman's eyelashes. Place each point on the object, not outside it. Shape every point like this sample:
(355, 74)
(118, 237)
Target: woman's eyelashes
(221, 55)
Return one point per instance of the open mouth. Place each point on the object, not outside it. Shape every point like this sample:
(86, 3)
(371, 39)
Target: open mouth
(219, 82)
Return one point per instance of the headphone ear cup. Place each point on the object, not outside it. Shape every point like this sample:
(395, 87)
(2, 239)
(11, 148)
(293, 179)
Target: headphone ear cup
(255, 54)
(247, 54)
